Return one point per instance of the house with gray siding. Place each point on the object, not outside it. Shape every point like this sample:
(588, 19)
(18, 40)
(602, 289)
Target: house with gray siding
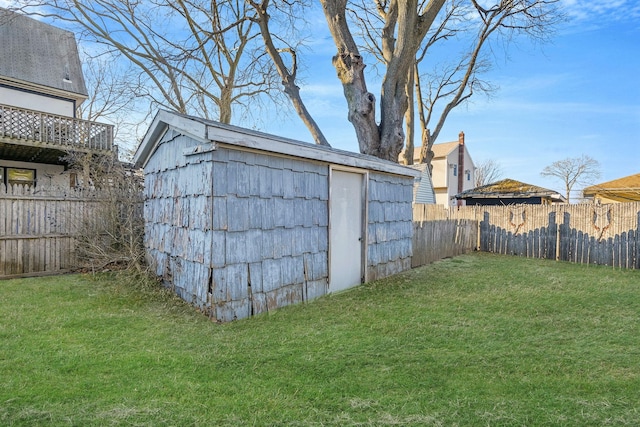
(239, 222)
(41, 88)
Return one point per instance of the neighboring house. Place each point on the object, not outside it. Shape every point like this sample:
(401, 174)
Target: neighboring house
(423, 187)
(41, 87)
(453, 171)
(626, 189)
(510, 192)
(239, 222)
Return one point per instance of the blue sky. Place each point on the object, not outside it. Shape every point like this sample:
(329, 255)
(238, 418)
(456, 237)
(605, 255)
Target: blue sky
(578, 94)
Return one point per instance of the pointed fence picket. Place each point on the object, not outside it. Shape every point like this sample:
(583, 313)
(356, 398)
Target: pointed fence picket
(584, 233)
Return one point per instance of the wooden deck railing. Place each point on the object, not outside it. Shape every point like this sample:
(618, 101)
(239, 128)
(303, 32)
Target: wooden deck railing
(51, 129)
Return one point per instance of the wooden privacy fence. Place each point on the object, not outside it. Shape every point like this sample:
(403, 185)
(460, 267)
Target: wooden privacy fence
(37, 228)
(585, 233)
(435, 240)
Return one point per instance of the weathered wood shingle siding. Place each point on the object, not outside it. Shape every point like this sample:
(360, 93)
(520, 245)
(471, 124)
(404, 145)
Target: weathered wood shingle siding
(236, 233)
(389, 228)
(178, 217)
(270, 236)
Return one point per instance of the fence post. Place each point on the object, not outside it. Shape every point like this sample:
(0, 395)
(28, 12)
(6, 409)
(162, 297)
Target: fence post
(477, 221)
(557, 241)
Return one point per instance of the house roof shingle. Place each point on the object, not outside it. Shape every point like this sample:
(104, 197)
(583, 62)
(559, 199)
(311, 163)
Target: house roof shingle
(442, 150)
(439, 150)
(625, 189)
(510, 188)
(40, 54)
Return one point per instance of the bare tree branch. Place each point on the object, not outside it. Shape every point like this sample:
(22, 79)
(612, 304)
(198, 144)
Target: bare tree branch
(572, 171)
(487, 172)
(287, 74)
(456, 84)
(194, 56)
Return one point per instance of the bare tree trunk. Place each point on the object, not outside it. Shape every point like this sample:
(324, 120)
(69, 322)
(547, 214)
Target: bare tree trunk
(393, 107)
(226, 96)
(426, 152)
(403, 31)
(288, 76)
(293, 92)
(350, 68)
(410, 120)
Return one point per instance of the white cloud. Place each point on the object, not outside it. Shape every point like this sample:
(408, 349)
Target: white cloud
(601, 10)
(328, 90)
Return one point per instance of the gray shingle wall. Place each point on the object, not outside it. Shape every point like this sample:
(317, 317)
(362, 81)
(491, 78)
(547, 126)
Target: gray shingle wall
(236, 233)
(270, 219)
(178, 218)
(389, 228)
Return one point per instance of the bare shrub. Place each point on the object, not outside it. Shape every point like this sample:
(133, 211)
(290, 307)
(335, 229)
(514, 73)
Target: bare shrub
(110, 235)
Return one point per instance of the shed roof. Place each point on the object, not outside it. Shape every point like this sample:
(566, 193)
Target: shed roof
(625, 189)
(35, 53)
(209, 131)
(510, 188)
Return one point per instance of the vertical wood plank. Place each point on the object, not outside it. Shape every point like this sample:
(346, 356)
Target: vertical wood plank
(576, 233)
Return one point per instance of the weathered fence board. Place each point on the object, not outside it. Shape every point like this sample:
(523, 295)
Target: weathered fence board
(586, 233)
(37, 228)
(435, 240)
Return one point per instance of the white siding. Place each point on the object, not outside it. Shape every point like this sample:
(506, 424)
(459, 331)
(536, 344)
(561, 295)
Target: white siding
(468, 184)
(36, 102)
(47, 175)
(445, 178)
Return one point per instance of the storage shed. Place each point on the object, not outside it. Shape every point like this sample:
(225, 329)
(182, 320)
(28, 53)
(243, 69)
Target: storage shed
(239, 222)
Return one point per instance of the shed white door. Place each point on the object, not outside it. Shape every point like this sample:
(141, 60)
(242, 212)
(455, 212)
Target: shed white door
(346, 233)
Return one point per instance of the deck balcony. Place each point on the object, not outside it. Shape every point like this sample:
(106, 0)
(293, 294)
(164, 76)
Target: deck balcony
(30, 135)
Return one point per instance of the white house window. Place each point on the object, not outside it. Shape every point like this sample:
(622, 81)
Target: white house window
(455, 170)
(20, 176)
(468, 172)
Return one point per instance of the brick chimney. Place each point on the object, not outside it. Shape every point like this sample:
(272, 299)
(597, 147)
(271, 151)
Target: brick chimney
(460, 165)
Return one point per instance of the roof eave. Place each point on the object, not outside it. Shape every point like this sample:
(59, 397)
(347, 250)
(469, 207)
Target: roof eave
(508, 196)
(42, 89)
(208, 131)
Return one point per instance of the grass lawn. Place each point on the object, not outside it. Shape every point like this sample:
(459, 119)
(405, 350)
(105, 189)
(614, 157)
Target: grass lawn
(476, 340)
